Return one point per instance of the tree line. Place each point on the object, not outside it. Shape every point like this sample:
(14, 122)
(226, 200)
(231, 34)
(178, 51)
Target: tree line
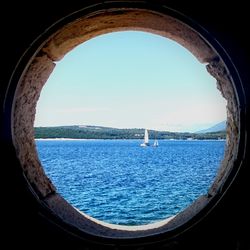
(94, 132)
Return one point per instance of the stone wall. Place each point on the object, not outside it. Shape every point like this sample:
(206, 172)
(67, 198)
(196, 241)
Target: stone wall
(218, 70)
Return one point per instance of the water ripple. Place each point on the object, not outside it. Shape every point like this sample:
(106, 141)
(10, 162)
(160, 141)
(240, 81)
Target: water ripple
(119, 182)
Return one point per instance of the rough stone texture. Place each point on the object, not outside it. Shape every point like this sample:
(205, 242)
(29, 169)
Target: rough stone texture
(26, 98)
(218, 70)
(189, 212)
(86, 28)
(87, 224)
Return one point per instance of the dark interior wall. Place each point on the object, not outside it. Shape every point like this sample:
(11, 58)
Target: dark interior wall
(24, 220)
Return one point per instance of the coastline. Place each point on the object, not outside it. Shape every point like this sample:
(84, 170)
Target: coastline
(82, 139)
(64, 139)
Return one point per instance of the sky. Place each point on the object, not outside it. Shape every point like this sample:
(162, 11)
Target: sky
(131, 79)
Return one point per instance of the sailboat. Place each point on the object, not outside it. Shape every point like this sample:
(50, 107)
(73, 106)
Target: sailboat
(156, 144)
(146, 140)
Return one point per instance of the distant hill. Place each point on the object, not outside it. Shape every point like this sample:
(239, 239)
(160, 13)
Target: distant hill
(216, 128)
(98, 132)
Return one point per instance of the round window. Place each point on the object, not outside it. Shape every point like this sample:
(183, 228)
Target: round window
(131, 128)
(98, 169)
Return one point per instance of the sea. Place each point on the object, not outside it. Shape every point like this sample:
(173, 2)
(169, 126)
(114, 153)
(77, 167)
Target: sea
(119, 182)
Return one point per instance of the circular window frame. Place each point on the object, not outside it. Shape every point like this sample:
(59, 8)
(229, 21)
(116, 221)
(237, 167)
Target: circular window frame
(82, 26)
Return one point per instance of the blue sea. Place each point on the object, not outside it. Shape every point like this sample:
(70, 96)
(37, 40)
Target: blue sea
(119, 182)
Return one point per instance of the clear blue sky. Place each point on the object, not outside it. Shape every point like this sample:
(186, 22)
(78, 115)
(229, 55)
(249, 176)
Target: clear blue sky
(131, 80)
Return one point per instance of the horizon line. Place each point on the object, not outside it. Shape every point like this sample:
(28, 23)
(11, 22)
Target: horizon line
(101, 126)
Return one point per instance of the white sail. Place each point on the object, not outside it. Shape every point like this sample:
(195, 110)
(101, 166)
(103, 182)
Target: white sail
(146, 139)
(156, 144)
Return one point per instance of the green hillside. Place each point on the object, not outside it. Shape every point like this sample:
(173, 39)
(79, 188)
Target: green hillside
(96, 132)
